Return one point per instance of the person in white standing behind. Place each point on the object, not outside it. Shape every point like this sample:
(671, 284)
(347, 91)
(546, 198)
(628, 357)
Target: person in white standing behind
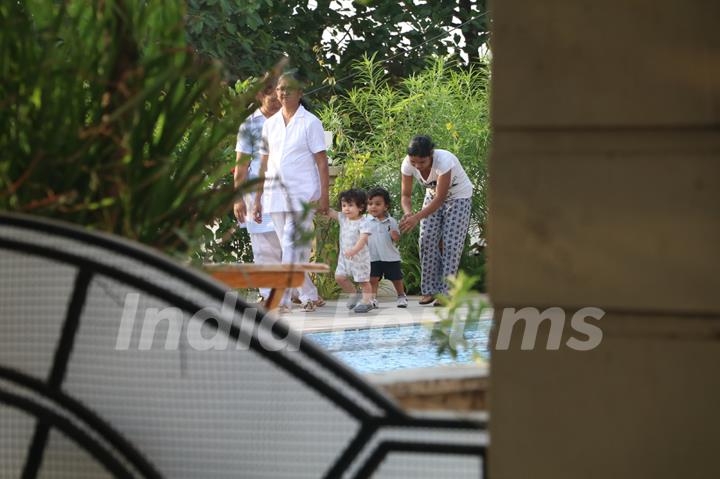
(294, 164)
(263, 238)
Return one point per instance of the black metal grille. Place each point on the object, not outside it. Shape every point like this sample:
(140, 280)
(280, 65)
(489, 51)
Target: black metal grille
(267, 413)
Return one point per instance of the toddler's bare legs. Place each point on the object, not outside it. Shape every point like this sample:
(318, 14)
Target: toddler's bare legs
(346, 285)
(355, 296)
(367, 291)
(374, 282)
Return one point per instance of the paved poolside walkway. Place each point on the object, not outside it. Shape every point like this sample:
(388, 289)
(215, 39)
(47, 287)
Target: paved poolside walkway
(335, 316)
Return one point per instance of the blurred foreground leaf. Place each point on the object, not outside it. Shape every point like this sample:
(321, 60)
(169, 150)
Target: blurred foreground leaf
(461, 311)
(109, 121)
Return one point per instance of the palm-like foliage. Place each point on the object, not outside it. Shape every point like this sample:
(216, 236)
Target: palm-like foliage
(109, 121)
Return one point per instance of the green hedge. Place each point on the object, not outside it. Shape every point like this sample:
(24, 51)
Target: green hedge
(373, 124)
(109, 121)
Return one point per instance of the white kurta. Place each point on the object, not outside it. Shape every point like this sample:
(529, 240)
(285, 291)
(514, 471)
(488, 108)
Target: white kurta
(292, 175)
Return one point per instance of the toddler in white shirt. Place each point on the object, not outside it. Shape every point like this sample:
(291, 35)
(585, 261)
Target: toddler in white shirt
(354, 255)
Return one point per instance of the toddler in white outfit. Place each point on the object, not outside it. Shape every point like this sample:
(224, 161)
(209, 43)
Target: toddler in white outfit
(354, 256)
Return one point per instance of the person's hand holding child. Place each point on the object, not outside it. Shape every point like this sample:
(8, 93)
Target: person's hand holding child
(408, 222)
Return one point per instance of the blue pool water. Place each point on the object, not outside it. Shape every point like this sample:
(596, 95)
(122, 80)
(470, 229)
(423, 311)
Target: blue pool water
(400, 347)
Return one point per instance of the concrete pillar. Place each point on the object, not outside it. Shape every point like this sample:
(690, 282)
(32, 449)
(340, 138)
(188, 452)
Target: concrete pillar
(605, 192)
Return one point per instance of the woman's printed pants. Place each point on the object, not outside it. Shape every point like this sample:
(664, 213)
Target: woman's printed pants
(448, 224)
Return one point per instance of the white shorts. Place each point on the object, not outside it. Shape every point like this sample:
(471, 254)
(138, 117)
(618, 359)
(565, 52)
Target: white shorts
(358, 270)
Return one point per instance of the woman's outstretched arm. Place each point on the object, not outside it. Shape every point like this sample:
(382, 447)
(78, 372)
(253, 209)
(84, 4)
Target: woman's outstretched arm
(410, 220)
(441, 192)
(406, 195)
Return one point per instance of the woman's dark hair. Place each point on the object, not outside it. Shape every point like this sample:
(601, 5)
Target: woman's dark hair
(354, 196)
(379, 192)
(421, 145)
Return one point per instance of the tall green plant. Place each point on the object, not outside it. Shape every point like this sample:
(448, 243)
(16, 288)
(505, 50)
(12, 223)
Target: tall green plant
(461, 312)
(109, 121)
(374, 122)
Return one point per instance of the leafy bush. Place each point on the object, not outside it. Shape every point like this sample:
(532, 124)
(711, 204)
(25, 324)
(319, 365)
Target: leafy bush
(326, 251)
(375, 121)
(109, 121)
(462, 311)
(250, 35)
(223, 241)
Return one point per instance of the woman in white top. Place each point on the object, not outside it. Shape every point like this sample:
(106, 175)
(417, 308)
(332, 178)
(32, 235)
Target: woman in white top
(294, 164)
(444, 217)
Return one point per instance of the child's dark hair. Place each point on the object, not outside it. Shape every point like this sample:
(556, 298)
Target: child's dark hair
(421, 145)
(356, 196)
(372, 193)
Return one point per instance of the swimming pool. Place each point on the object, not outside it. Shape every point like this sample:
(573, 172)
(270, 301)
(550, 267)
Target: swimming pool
(377, 350)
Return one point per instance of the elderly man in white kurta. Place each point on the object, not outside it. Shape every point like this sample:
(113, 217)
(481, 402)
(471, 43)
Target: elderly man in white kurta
(295, 166)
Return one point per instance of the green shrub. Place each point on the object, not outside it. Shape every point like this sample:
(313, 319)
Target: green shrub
(462, 311)
(326, 251)
(222, 241)
(109, 121)
(374, 123)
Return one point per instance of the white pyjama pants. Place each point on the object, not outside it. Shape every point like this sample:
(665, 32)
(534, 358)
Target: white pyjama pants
(294, 250)
(266, 249)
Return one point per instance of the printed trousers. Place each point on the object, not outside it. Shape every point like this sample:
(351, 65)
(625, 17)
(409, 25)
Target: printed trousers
(448, 223)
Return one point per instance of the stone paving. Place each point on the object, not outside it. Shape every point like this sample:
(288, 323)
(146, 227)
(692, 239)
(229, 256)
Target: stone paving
(335, 316)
